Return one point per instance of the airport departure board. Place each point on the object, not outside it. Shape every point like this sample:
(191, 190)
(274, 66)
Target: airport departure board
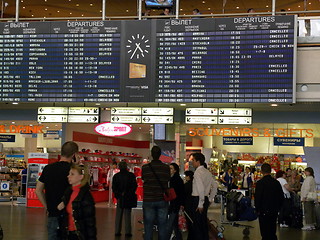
(222, 60)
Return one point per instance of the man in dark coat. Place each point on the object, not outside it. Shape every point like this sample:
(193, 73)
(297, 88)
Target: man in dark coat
(268, 200)
(124, 188)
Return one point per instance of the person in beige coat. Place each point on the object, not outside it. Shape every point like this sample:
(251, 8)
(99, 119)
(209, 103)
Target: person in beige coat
(308, 186)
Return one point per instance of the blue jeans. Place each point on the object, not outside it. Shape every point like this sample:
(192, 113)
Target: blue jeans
(155, 211)
(53, 226)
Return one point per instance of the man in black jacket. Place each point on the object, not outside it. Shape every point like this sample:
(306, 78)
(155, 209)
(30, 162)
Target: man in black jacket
(268, 200)
(124, 188)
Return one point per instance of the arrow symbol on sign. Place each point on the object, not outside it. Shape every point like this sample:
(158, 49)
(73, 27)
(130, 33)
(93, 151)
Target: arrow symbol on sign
(114, 110)
(188, 119)
(145, 111)
(95, 119)
(146, 119)
(188, 111)
(41, 110)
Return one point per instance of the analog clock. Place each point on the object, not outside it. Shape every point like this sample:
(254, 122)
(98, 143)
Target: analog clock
(138, 46)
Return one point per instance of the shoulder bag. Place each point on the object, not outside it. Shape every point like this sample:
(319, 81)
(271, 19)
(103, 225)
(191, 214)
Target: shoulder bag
(168, 194)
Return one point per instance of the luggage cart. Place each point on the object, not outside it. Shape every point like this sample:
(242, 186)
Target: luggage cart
(223, 219)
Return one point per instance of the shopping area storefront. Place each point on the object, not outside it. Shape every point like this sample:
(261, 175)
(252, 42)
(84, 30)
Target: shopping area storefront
(281, 144)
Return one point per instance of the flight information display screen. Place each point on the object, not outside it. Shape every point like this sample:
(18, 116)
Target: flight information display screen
(60, 61)
(237, 60)
(222, 60)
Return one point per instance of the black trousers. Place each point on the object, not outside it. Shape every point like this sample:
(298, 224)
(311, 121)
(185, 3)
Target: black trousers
(268, 226)
(199, 229)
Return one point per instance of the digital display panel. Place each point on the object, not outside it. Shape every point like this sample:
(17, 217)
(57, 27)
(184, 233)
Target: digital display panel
(222, 60)
(226, 60)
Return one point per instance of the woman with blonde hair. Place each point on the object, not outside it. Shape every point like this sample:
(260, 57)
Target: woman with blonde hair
(308, 189)
(78, 220)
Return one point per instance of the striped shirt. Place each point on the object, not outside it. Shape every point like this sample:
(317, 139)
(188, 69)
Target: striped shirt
(152, 191)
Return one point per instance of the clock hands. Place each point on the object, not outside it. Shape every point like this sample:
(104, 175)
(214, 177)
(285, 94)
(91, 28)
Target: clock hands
(134, 52)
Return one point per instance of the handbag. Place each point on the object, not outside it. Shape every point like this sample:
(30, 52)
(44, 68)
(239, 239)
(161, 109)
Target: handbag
(168, 194)
(312, 196)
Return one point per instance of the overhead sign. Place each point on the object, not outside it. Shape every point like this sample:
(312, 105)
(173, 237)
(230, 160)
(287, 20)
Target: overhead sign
(126, 111)
(52, 134)
(235, 111)
(288, 141)
(52, 118)
(126, 119)
(83, 119)
(52, 110)
(202, 111)
(157, 111)
(7, 138)
(237, 140)
(235, 120)
(113, 129)
(201, 120)
(84, 110)
(157, 119)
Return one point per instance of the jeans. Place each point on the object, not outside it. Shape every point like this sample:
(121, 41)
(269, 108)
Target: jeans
(53, 226)
(155, 211)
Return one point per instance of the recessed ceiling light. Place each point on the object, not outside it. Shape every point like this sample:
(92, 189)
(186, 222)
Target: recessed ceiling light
(100, 10)
(23, 7)
(98, 104)
(15, 103)
(274, 105)
(310, 3)
(13, 122)
(203, 2)
(299, 6)
(127, 10)
(21, 0)
(82, 15)
(181, 9)
(91, 4)
(237, 7)
(267, 6)
(46, 9)
(209, 8)
(289, 9)
(47, 127)
(183, 104)
(58, 11)
(32, 15)
(70, 13)
(56, 125)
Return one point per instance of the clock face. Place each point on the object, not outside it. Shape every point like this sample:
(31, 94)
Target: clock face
(138, 46)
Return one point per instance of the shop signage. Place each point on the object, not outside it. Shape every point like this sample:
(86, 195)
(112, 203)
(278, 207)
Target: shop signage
(5, 186)
(201, 120)
(84, 110)
(83, 119)
(157, 119)
(202, 111)
(288, 141)
(53, 110)
(235, 111)
(21, 129)
(126, 111)
(251, 132)
(157, 111)
(113, 129)
(52, 134)
(125, 119)
(7, 138)
(237, 140)
(235, 120)
(52, 118)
